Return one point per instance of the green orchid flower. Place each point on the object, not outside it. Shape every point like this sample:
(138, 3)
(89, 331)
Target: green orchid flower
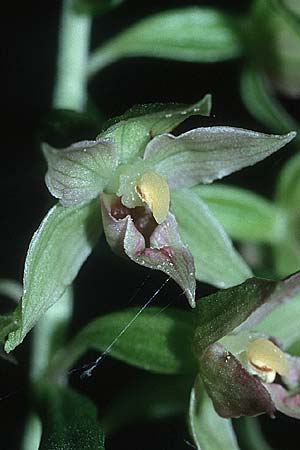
(142, 175)
(245, 370)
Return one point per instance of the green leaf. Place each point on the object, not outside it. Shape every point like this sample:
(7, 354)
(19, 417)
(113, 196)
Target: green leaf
(154, 397)
(208, 429)
(187, 34)
(12, 289)
(275, 46)
(156, 340)
(283, 323)
(250, 434)
(287, 255)
(134, 129)
(216, 261)
(95, 7)
(244, 215)
(240, 306)
(288, 185)
(58, 249)
(287, 195)
(260, 100)
(80, 172)
(69, 421)
(206, 154)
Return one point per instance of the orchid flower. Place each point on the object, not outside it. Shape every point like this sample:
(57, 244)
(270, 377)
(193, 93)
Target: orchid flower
(142, 175)
(248, 372)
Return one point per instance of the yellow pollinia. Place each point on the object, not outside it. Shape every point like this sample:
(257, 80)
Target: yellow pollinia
(266, 359)
(154, 190)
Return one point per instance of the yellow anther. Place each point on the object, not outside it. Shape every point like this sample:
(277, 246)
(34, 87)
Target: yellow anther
(267, 357)
(153, 189)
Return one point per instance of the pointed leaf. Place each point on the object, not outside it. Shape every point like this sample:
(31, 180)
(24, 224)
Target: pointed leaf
(216, 261)
(186, 34)
(244, 215)
(261, 102)
(208, 429)
(56, 253)
(203, 155)
(134, 129)
(240, 306)
(79, 173)
(233, 390)
(156, 340)
(69, 421)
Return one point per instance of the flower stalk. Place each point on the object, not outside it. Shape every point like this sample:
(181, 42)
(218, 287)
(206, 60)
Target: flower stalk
(70, 90)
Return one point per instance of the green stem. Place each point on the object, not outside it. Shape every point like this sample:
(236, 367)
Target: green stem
(70, 92)
(33, 433)
(50, 335)
(73, 50)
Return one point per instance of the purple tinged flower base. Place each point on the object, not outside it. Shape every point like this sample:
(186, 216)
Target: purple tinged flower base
(133, 232)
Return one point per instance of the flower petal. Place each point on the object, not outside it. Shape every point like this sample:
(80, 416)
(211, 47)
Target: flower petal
(203, 155)
(292, 379)
(166, 252)
(285, 402)
(80, 172)
(233, 390)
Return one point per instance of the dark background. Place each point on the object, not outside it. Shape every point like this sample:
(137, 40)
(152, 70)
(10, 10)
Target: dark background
(28, 58)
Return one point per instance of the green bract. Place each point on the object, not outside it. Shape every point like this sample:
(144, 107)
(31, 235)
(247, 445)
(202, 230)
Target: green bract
(186, 34)
(58, 249)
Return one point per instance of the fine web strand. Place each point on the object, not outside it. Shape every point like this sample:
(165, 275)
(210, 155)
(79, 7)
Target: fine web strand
(90, 368)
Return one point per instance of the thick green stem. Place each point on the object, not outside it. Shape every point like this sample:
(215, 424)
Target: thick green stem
(33, 433)
(70, 92)
(50, 334)
(73, 48)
